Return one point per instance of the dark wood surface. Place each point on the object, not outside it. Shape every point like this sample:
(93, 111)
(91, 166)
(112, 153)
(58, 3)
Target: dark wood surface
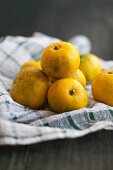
(94, 151)
(63, 19)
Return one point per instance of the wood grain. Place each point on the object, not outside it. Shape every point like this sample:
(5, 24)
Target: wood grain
(63, 19)
(91, 152)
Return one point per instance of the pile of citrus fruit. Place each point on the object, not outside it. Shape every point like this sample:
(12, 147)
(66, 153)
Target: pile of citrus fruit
(59, 78)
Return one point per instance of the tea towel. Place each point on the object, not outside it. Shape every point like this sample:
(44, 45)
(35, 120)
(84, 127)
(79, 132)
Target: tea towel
(21, 125)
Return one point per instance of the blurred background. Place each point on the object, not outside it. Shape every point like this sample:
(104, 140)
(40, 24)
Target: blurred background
(62, 19)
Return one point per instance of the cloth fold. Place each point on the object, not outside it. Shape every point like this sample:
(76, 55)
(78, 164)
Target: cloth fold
(21, 125)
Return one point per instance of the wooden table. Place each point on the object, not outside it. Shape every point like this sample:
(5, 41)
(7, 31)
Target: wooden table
(92, 152)
(63, 19)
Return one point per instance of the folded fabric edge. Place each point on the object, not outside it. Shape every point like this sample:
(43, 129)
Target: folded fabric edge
(47, 134)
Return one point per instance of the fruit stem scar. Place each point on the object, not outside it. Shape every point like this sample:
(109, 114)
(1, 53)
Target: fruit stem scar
(110, 72)
(71, 92)
(56, 69)
(56, 47)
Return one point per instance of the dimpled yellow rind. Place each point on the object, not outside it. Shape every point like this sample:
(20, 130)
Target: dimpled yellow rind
(90, 65)
(35, 63)
(79, 76)
(102, 87)
(60, 60)
(67, 94)
(30, 88)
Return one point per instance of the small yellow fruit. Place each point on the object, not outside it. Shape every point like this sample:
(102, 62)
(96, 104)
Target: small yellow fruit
(90, 66)
(67, 94)
(79, 76)
(60, 60)
(102, 87)
(30, 63)
(30, 87)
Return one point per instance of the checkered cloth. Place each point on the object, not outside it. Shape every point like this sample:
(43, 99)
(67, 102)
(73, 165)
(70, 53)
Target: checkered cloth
(21, 125)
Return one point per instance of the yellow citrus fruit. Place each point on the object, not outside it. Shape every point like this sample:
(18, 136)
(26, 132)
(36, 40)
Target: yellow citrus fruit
(30, 87)
(90, 66)
(30, 63)
(60, 60)
(79, 76)
(66, 94)
(102, 87)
